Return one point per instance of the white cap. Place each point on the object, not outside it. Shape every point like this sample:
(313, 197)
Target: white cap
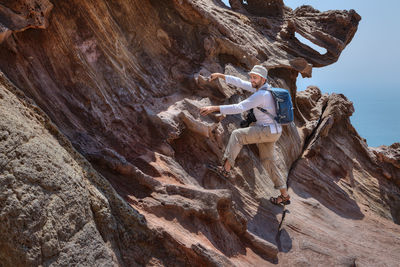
(260, 71)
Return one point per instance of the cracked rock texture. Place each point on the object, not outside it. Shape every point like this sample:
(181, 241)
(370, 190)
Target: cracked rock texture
(19, 15)
(103, 152)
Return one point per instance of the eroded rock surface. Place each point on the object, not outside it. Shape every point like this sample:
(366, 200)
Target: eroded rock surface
(57, 210)
(123, 81)
(19, 15)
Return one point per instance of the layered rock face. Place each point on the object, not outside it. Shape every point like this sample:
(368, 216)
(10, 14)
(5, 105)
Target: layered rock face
(18, 16)
(121, 82)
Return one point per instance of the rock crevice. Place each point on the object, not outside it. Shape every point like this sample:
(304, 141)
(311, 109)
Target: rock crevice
(104, 152)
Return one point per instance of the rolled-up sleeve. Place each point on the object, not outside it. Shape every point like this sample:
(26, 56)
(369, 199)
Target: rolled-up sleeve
(253, 101)
(239, 83)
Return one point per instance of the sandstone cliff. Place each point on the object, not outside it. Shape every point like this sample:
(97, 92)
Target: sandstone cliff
(103, 151)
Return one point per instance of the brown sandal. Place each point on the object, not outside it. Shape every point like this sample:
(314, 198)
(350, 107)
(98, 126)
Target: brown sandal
(283, 200)
(220, 171)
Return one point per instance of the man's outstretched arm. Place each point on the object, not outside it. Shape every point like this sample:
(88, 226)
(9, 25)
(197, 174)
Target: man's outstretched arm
(209, 109)
(214, 76)
(233, 81)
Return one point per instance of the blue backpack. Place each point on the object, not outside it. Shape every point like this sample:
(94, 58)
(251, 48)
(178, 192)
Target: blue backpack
(283, 104)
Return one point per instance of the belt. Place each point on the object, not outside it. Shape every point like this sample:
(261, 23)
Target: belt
(275, 128)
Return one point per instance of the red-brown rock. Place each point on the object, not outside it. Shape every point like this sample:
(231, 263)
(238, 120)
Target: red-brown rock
(122, 81)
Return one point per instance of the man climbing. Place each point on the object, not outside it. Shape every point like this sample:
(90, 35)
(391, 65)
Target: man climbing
(264, 133)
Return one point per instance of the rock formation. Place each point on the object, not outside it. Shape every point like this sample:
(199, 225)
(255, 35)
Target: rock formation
(18, 16)
(103, 151)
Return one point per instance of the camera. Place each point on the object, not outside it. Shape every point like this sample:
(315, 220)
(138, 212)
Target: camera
(249, 119)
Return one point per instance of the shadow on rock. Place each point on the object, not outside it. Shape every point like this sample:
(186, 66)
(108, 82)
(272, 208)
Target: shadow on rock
(309, 180)
(265, 224)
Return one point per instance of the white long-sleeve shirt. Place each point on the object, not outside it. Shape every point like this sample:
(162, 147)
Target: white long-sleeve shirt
(260, 98)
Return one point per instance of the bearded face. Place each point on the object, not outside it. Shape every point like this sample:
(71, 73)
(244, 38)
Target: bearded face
(256, 81)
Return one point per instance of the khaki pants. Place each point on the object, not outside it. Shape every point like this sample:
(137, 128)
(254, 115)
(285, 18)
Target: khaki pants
(265, 140)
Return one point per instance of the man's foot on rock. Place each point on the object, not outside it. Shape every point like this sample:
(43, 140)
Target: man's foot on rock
(280, 200)
(220, 171)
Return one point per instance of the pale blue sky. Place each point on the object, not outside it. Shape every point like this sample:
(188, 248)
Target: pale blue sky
(367, 72)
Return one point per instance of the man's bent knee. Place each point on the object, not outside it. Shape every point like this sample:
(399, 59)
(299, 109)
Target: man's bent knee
(238, 136)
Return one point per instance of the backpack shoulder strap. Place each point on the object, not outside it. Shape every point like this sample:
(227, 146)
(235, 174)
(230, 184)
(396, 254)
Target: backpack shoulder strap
(266, 87)
(266, 112)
